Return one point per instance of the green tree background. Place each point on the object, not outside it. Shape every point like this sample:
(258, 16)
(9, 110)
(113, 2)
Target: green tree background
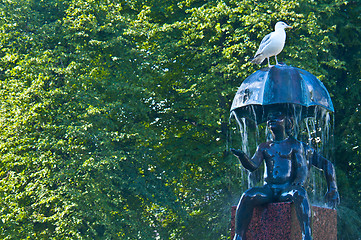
(114, 114)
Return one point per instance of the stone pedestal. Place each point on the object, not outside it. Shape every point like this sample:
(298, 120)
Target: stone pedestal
(278, 221)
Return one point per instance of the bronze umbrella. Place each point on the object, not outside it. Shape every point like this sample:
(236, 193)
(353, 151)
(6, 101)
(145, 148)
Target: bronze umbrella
(280, 88)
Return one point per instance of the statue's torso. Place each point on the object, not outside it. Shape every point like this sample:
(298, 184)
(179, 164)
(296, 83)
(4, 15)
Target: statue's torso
(280, 161)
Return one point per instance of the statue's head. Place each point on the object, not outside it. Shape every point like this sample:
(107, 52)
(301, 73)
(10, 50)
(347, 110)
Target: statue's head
(279, 122)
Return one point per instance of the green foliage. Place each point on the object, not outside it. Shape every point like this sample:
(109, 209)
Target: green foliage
(75, 161)
(114, 114)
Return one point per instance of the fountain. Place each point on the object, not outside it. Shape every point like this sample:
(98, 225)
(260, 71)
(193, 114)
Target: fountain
(296, 108)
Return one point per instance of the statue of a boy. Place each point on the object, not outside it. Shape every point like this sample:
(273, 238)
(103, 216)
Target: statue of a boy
(287, 164)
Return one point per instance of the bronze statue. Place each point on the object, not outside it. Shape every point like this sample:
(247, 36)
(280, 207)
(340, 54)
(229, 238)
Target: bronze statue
(287, 164)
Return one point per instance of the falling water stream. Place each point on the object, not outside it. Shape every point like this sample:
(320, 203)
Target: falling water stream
(315, 129)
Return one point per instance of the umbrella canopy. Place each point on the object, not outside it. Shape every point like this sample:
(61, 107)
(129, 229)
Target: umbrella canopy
(281, 88)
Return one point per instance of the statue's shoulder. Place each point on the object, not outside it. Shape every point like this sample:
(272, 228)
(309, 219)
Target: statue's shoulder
(307, 147)
(265, 145)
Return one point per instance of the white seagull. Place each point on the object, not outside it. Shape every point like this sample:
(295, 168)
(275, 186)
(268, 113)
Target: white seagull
(272, 44)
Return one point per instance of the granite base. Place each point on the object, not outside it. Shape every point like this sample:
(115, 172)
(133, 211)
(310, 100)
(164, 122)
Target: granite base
(278, 221)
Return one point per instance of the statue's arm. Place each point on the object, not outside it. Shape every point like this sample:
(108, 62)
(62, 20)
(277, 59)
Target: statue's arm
(250, 164)
(332, 197)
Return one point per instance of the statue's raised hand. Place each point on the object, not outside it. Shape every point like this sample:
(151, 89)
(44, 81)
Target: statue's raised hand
(236, 152)
(246, 161)
(332, 198)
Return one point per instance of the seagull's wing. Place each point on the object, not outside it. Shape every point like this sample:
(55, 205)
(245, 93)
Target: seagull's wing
(265, 41)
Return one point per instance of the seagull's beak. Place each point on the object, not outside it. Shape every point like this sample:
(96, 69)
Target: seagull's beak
(290, 27)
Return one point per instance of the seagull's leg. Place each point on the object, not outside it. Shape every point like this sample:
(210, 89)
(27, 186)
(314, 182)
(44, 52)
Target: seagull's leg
(276, 60)
(268, 62)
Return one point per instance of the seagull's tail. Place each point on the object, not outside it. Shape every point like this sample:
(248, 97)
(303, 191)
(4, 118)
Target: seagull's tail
(258, 59)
